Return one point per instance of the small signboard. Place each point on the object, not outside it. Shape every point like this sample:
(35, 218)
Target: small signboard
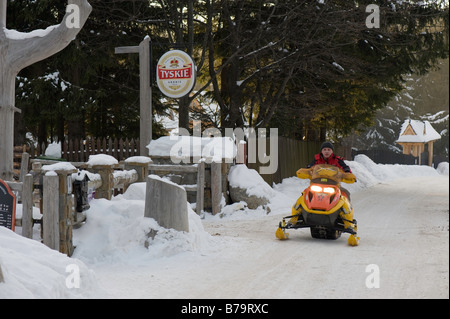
(7, 206)
(176, 74)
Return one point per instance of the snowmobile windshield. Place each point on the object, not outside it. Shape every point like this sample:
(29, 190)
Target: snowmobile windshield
(325, 172)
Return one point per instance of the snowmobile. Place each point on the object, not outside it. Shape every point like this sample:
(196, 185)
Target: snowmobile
(323, 207)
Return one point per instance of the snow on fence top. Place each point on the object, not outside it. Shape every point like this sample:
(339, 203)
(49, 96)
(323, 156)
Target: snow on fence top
(178, 147)
(101, 159)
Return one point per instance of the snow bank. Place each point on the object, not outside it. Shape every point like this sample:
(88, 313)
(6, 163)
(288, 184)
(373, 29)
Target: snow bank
(443, 168)
(282, 196)
(386, 172)
(243, 177)
(118, 232)
(31, 270)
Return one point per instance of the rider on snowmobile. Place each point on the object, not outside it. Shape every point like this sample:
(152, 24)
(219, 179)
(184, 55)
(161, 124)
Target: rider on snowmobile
(326, 156)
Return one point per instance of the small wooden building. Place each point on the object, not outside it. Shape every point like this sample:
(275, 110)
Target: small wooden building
(413, 137)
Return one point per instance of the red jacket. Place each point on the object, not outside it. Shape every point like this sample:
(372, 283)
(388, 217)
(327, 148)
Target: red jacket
(332, 160)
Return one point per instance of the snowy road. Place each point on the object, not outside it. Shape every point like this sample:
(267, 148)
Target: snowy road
(404, 230)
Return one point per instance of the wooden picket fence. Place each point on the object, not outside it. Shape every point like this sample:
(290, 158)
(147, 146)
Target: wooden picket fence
(78, 150)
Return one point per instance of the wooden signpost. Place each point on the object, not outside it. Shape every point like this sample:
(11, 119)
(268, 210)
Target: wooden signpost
(145, 135)
(7, 206)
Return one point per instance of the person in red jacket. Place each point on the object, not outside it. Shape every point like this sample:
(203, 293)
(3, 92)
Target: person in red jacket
(326, 156)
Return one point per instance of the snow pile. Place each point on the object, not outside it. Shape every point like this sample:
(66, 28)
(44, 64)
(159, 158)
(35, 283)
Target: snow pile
(443, 168)
(386, 172)
(249, 179)
(118, 232)
(181, 148)
(53, 150)
(31, 270)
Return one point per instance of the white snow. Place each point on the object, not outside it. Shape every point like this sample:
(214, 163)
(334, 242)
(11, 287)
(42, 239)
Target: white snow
(31, 270)
(53, 150)
(402, 214)
(181, 148)
(17, 35)
(443, 168)
(61, 166)
(241, 176)
(138, 159)
(101, 159)
(424, 132)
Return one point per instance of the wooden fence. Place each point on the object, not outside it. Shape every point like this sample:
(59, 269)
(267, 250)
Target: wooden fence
(291, 155)
(58, 204)
(78, 150)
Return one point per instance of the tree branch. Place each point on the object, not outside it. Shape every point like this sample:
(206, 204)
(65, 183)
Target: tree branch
(29, 48)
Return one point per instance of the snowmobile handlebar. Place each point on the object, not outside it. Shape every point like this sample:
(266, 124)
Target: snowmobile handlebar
(326, 171)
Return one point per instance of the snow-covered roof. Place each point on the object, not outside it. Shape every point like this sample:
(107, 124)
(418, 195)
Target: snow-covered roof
(414, 131)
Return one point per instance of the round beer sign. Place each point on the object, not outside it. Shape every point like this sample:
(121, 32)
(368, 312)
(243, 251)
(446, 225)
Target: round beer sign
(176, 74)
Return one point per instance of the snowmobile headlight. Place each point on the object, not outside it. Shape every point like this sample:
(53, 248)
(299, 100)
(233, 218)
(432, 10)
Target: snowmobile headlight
(316, 188)
(329, 190)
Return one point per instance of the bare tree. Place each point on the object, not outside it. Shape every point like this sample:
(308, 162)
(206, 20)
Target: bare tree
(19, 50)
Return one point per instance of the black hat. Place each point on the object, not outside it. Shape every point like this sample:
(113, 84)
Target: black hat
(326, 144)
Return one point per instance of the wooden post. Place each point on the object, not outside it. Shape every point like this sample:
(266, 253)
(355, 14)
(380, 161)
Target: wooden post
(27, 206)
(51, 211)
(65, 206)
(66, 218)
(140, 166)
(430, 154)
(216, 187)
(145, 91)
(200, 187)
(106, 173)
(241, 153)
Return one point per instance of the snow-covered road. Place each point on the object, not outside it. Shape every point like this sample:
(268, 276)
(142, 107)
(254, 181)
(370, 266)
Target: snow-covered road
(403, 224)
(404, 230)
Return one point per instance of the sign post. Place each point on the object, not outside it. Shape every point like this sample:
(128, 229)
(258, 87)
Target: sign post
(145, 135)
(7, 206)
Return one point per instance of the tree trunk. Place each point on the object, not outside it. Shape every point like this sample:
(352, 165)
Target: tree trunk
(6, 118)
(18, 52)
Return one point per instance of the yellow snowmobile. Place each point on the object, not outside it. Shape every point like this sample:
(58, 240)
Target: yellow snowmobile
(323, 207)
